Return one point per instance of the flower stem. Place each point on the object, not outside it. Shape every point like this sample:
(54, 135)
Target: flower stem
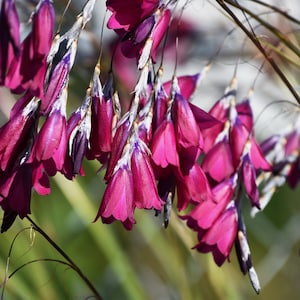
(66, 257)
(258, 45)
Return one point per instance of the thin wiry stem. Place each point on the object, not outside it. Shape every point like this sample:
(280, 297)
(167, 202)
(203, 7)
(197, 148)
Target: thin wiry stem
(267, 25)
(8, 260)
(39, 260)
(258, 45)
(71, 263)
(278, 10)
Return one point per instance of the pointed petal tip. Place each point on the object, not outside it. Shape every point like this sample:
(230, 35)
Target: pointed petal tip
(254, 280)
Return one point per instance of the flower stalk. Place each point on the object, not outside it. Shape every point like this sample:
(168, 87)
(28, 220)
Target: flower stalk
(70, 262)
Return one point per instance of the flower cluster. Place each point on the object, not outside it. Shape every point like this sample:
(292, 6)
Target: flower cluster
(282, 150)
(162, 150)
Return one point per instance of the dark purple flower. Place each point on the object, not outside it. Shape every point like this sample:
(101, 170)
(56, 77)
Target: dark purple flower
(192, 187)
(118, 144)
(127, 15)
(102, 115)
(28, 71)
(188, 136)
(16, 135)
(15, 191)
(10, 45)
(51, 143)
(58, 80)
(78, 135)
(40, 179)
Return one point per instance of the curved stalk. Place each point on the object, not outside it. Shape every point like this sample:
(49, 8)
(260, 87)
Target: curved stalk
(258, 45)
(71, 263)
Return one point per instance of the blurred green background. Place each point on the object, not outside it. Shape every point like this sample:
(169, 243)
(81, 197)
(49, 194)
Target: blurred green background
(150, 262)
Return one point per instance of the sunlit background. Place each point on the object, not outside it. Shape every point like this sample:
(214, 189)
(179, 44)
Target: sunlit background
(151, 262)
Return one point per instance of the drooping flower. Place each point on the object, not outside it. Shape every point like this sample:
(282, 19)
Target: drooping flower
(141, 24)
(10, 44)
(145, 190)
(163, 145)
(118, 199)
(16, 135)
(192, 187)
(58, 79)
(102, 117)
(28, 71)
(156, 36)
(118, 144)
(217, 163)
(78, 135)
(244, 255)
(15, 191)
(207, 211)
(188, 135)
(51, 143)
(220, 237)
(282, 151)
(127, 15)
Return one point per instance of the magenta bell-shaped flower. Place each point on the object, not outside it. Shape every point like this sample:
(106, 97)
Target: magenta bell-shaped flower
(219, 238)
(117, 202)
(28, 71)
(51, 142)
(127, 15)
(15, 190)
(145, 190)
(10, 44)
(16, 134)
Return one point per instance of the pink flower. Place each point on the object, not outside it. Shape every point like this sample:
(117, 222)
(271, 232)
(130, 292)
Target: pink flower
(16, 133)
(220, 237)
(245, 114)
(206, 212)
(102, 114)
(188, 135)
(192, 188)
(10, 45)
(218, 162)
(159, 31)
(51, 143)
(163, 145)
(50, 135)
(144, 185)
(160, 105)
(40, 179)
(29, 70)
(141, 24)
(15, 191)
(118, 144)
(78, 135)
(186, 85)
(249, 181)
(57, 81)
(118, 201)
(128, 14)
